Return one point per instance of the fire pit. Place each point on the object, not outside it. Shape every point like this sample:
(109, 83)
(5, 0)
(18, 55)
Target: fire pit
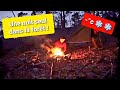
(58, 54)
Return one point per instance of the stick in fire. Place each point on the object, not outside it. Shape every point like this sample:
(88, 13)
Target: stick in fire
(58, 49)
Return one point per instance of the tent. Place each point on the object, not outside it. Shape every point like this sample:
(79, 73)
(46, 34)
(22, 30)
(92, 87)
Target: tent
(76, 34)
(83, 34)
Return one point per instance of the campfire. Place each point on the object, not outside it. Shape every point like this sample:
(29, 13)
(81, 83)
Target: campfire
(56, 52)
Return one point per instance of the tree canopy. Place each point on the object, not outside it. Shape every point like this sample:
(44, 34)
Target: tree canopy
(64, 19)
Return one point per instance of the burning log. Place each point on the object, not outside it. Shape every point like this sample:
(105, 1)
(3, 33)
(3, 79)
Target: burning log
(36, 57)
(57, 52)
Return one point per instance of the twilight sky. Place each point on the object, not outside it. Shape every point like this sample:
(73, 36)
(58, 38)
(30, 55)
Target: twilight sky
(4, 14)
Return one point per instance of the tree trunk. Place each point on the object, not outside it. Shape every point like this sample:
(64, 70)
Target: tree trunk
(62, 19)
(13, 13)
(47, 12)
(33, 13)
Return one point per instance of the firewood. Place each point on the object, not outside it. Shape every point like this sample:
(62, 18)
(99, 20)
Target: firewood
(108, 72)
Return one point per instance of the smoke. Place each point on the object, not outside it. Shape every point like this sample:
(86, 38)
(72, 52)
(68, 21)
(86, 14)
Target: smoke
(44, 42)
(45, 47)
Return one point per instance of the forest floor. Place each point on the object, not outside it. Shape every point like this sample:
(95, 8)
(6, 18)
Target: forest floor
(99, 64)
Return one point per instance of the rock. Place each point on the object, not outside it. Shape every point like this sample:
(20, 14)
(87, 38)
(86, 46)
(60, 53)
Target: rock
(35, 69)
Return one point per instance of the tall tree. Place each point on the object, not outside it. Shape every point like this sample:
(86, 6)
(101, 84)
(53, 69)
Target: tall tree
(68, 21)
(13, 13)
(62, 19)
(47, 12)
(33, 13)
(22, 14)
(63, 24)
(76, 18)
(57, 18)
(60, 16)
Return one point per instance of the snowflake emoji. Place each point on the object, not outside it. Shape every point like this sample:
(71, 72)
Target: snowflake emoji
(99, 23)
(108, 26)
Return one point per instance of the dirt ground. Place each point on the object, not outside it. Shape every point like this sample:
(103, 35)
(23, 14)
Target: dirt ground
(99, 64)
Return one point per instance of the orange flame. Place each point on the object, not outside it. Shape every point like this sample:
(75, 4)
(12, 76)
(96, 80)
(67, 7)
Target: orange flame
(57, 52)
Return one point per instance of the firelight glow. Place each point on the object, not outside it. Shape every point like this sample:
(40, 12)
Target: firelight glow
(57, 52)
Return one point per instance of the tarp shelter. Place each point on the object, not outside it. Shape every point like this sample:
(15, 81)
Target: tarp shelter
(83, 34)
(76, 34)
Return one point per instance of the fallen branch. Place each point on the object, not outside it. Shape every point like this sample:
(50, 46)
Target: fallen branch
(40, 63)
(23, 66)
(108, 72)
(35, 77)
(27, 52)
(84, 67)
(24, 54)
(51, 71)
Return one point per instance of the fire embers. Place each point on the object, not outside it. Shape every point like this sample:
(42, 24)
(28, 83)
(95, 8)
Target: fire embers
(35, 58)
(56, 53)
(79, 54)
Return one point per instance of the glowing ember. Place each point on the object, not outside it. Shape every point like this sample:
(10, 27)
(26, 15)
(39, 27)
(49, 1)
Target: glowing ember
(57, 52)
